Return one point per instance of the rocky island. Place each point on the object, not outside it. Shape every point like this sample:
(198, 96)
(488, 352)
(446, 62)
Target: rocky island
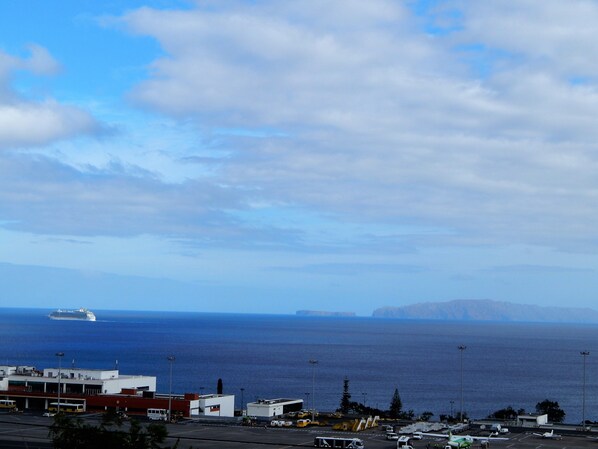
(488, 310)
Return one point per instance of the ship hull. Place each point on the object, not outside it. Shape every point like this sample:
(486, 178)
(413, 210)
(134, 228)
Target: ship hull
(72, 315)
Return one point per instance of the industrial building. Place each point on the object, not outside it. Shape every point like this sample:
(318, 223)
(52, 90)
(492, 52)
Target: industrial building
(273, 407)
(532, 420)
(102, 390)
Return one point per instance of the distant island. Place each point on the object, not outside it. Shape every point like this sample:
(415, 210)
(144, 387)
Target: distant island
(322, 313)
(488, 310)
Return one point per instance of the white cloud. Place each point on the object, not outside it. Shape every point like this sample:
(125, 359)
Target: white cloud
(40, 61)
(386, 123)
(26, 122)
(361, 116)
(555, 36)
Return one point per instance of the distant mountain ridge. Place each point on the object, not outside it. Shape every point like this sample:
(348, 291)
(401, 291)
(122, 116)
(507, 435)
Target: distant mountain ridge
(488, 310)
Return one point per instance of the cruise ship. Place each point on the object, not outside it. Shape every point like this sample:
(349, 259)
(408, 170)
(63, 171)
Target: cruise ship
(80, 315)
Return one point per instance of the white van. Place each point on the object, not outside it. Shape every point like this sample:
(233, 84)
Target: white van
(157, 414)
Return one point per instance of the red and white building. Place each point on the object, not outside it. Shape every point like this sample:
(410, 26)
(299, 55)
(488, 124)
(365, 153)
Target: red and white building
(102, 390)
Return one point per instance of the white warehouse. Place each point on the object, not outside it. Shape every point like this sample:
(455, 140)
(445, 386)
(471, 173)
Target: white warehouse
(273, 407)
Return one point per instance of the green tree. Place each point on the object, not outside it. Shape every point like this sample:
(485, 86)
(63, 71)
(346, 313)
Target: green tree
(346, 398)
(507, 413)
(396, 405)
(552, 409)
(68, 433)
(425, 416)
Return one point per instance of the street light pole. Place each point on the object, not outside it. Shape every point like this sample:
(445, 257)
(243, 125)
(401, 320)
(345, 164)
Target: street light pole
(242, 401)
(313, 363)
(60, 355)
(584, 354)
(364, 395)
(461, 348)
(170, 359)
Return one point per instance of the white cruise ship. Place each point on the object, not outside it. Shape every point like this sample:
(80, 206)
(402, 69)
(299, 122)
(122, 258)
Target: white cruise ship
(79, 315)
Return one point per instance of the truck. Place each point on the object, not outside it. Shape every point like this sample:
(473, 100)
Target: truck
(404, 442)
(497, 429)
(157, 414)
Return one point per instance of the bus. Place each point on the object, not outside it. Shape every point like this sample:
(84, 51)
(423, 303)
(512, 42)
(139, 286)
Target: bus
(344, 443)
(67, 407)
(157, 414)
(8, 404)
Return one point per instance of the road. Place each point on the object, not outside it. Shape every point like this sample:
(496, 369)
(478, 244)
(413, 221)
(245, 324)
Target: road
(31, 432)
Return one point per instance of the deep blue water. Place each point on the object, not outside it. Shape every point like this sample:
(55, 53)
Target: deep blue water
(517, 364)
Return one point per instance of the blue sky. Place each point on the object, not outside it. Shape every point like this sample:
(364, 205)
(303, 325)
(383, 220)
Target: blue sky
(270, 156)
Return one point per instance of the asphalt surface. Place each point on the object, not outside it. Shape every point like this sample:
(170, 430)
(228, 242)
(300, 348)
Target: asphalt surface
(31, 432)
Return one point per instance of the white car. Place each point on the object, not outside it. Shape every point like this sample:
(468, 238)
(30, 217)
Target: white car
(49, 414)
(392, 436)
(416, 436)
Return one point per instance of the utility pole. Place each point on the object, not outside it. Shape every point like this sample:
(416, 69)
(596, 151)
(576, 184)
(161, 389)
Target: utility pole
(584, 354)
(313, 363)
(170, 359)
(461, 348)
(60, 355)
(242, 401)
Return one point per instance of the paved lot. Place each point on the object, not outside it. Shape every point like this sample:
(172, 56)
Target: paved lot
(195, 436)
(31, 432)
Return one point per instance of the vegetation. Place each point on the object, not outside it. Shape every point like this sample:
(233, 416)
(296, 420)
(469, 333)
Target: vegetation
(425, 416)
(459, 418)
(347, 406)
(70, 433)
(346, 398)
(552, 409)
(396, 405)
(506, 414)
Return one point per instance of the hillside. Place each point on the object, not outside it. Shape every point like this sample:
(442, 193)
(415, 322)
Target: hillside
(488, 310)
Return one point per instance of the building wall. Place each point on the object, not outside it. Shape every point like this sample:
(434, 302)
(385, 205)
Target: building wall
(217, 405)
(114, 386)
(81, 385)
(269, 408)
(532, 420)
(81, 374)
(136, 405)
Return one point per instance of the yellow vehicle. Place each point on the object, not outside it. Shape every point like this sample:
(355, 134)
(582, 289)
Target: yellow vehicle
(303, 422)
(66, 407)
(8, 404)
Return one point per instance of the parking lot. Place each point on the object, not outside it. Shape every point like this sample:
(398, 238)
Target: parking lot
(31, 431)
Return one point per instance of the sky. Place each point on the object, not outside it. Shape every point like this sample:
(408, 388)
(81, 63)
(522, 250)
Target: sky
(272, 156)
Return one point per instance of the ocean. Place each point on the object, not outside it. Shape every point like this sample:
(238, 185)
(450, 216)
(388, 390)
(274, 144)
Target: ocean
(504, 364)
